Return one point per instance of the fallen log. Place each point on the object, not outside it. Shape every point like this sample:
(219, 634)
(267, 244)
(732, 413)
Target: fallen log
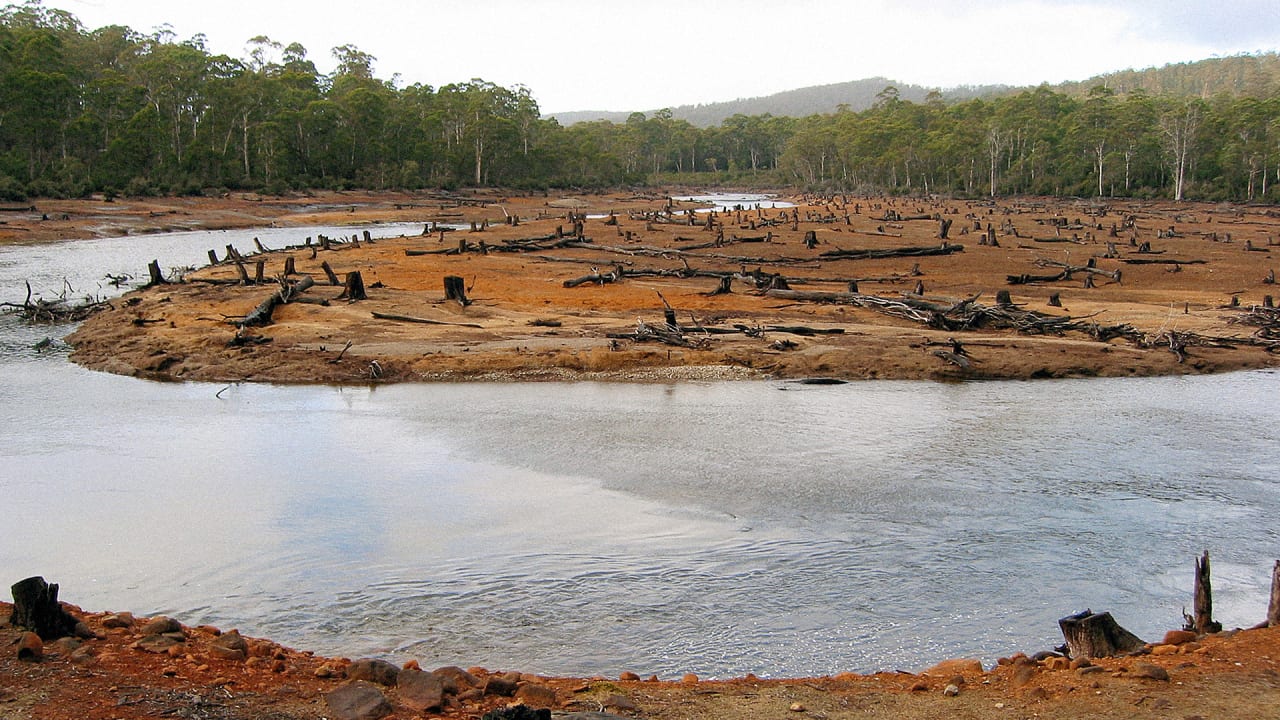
(875, 254)
(422, 321)
(289, 290)
(1162, 261)
(1097, 635)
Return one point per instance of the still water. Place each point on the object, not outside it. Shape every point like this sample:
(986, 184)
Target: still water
(588, 528)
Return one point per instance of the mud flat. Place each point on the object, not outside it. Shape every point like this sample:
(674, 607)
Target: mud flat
(580, 287)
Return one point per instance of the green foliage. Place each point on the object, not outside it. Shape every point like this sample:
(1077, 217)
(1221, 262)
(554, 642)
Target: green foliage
(113, 110)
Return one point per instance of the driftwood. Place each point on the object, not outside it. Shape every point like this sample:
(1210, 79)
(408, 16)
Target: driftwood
(1097, 635)
(595, 277)
(872, 254)
(36, 608)
(42, 311)
(422, 321)
(289, 290)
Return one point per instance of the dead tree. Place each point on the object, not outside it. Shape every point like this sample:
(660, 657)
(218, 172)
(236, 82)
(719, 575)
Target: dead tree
(157, 277)
(354, 288)
(288, 291)
(944, 227)
(1273, 608)
(455, 288)
(329, 273)
(1203, 622)
(36, 608)
(1097, 635)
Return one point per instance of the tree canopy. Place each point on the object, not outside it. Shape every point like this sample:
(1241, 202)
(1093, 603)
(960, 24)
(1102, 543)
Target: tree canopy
(115, 111)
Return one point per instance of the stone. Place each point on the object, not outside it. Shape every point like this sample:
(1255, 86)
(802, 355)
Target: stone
(1147, 671)
(951, 691)
(1091, 669)
(498, 685)
(30, 647)
(1179, 637)
(456, 680)
(157, 643)
(160, 625)
(1036, 693)
(1164, 650)
(689, 678)
(372, 670)
(1080, 663)
(1057, 662)
(618, 701)
(1022, 675)
(797, 707)
(957, 666)
(420, 691)
(357, 700)
(629, 677)
(536, 695)
(229, 646)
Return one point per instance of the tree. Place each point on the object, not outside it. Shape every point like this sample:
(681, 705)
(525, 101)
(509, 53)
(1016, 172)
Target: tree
(1180, 124)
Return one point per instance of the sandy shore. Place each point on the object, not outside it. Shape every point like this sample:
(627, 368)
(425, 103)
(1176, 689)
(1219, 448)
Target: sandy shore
(1164, 279)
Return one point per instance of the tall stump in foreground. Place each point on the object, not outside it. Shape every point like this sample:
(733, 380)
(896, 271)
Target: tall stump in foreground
(1203, 622)
(1097, 635)
(35, 607)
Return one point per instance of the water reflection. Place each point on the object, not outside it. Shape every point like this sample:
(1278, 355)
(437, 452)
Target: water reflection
(594, 528)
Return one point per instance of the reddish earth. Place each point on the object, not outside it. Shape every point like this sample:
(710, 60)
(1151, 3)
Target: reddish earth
(1198, 260)
(122, 672)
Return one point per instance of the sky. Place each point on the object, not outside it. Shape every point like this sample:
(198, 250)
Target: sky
(627, 55)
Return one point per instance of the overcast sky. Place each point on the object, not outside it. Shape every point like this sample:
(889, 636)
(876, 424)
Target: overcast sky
(648, 54)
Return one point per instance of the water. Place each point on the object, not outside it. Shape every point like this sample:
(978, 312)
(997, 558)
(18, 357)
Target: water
(590, 528)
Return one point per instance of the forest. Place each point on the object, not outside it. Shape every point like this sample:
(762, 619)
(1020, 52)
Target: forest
(118, 112)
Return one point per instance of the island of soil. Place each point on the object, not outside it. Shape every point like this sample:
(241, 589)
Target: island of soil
(490, 285)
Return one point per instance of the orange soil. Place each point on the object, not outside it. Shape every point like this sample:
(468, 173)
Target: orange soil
(112, 676)
(525, 324)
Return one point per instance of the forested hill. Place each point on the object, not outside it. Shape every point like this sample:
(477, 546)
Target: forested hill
(1239, 75)
(856, 95)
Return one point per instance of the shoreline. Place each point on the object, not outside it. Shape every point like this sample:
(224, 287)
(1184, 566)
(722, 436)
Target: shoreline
(540, 306)
(122, 666)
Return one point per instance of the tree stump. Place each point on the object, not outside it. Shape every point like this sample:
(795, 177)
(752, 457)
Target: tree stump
(354, 288)
(810, 239)
(1055, 300)
(290, 267)
(1273, 608)
(157, 277)
(1097, 635)
(1203, 591)
(328, 271)
(944, 227)
(455, 288)
(36, 607)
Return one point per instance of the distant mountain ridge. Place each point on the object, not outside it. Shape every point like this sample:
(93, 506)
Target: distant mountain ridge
(858, 95)
(1252, 74)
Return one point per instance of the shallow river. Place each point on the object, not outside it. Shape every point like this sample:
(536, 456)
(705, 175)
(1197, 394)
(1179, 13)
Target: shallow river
(589, 528)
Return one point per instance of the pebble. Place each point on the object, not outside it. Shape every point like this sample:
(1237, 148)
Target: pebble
(797, 708)
(951, 691)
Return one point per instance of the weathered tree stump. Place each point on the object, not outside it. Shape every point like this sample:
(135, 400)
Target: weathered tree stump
(944, 227)
(1097, 635)
(1004, 299)
(36, 607)
(455, 288)
(354, 288)
(290, 267)
(259, 272)
(1273, 608)
(157, 277)
(213, 257)
(811, 239)
(1203, 591)
(1055, 300)
(725, 287)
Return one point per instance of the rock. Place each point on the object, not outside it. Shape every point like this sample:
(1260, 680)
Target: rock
(85, 655)
(920, 686)
(958, 666)
(1147, 671)
(1179, 637)
(797, 708)
(377, 671)
(1022, 675)
(1164, 650)
(1036, 693)
(161, 624)
(1091, 669)
(30, 647)
(517, 712)
(420, 691)
(618, 701)
(157, 643)
(1080, 663)
(536, 695)
(357, 700)
(498, 685)
(951, 691)
(629, 677)
(1057, 662)
(690, 678)
(456, 680)
(229, 647)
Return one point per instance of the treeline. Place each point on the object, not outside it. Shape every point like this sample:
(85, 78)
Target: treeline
(118, 112)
